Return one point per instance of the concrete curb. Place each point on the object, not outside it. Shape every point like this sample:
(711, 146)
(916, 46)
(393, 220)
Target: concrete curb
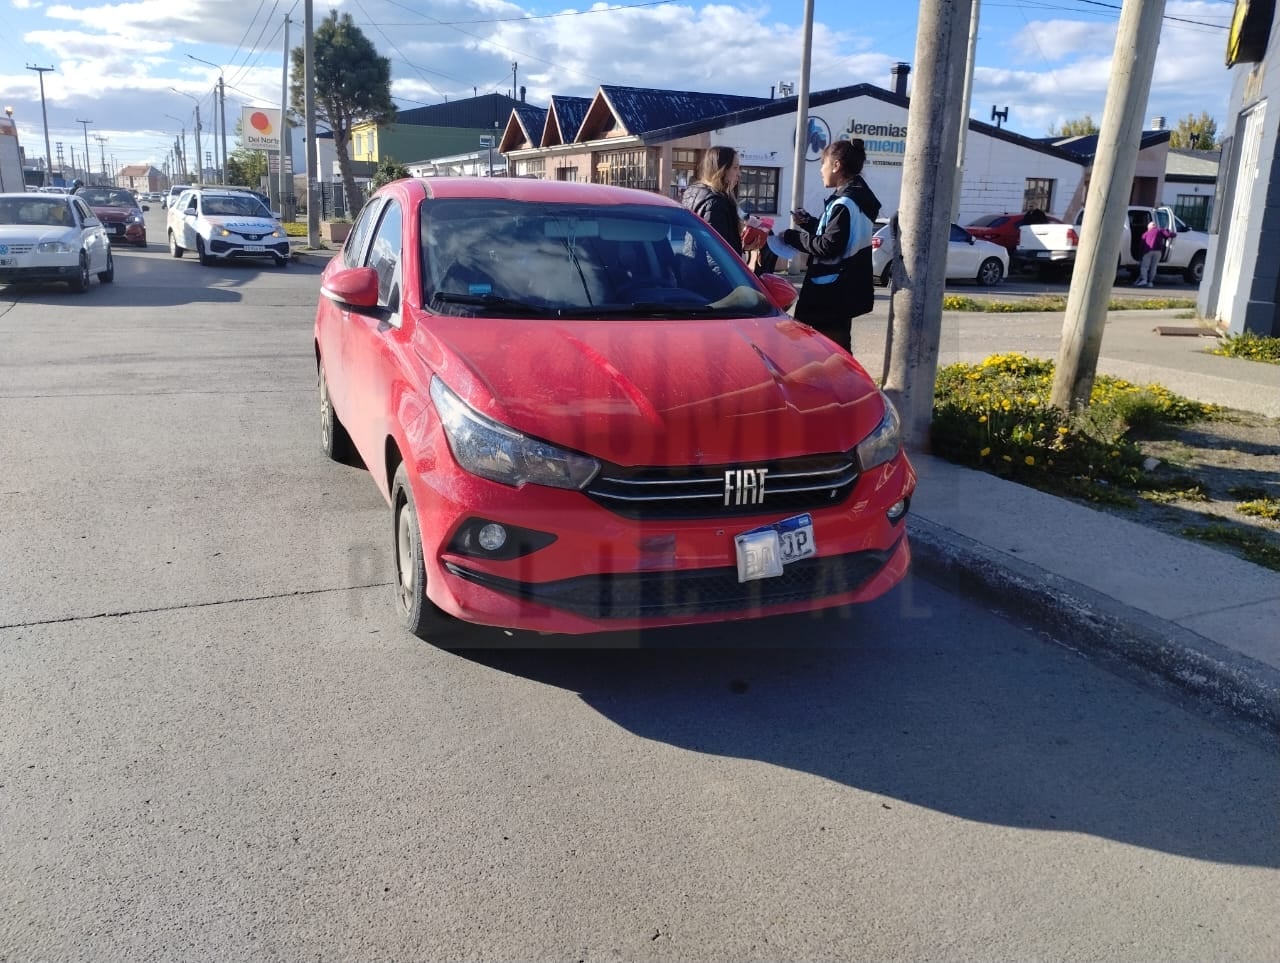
(314, 257)
(1070, 612)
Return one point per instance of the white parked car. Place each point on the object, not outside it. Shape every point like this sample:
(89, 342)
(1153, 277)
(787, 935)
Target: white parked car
(968, 258)
(52, 237)
(222, 224)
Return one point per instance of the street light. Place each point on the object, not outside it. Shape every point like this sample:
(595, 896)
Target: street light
(199, 153)
(48, 155)
(221, 105)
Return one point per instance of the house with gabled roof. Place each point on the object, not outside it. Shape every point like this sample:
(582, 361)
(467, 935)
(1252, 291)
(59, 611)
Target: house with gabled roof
(1190, 180)
(436, 130)
(655, 139)
(140, 177)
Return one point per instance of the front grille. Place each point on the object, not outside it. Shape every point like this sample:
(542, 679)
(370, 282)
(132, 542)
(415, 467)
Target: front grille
(698, 491)
(636, 595)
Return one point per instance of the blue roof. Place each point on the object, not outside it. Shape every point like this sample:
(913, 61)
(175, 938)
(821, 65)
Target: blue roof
(532, 120)
(1086, 146)
(643, 109)
(569, 113)
(475, 112)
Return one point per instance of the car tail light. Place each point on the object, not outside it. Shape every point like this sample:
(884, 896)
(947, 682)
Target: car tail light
(1072, 237)
(876, 242)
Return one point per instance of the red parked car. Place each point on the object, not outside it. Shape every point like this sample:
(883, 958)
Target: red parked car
(586, 413)
(1003, 229)
(119, 213)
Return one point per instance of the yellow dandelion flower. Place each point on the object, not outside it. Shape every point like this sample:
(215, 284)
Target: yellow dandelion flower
(1030, 459)
(985, 452)
(1064, 431)
(1034, 399)
(1115, 454)
(1006, 458)
(982, 419)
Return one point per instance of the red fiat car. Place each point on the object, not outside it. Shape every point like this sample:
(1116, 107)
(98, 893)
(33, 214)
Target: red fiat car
(586, 413)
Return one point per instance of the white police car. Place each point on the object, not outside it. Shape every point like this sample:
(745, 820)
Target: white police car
(222, 224)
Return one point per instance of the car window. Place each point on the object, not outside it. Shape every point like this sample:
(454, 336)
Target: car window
(559, 257)
(384, 255)
(354, 248)
(106, 197)
(232, 205)
(958, 233)
(36, 211)
(86, 215)
(1182, 225)
(989, 220)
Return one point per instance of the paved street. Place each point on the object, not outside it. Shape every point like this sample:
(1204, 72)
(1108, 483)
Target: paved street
(216, 743)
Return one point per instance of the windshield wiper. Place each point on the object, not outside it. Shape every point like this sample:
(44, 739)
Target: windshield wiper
(487, 301)
(649, 309)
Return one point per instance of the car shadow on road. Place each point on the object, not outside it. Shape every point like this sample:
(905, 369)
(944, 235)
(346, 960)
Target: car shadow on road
(1028, 736)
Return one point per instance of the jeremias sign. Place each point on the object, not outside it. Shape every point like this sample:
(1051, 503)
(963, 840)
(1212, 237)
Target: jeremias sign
(260, 128)
(878, 138)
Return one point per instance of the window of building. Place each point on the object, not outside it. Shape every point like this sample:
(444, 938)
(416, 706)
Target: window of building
(758, 189)
(684, 171)
(532, 167)
(1038, 194)
(566, 173)
(1194, 209)
(628, 168)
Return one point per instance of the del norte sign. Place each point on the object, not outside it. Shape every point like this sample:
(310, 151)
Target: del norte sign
(260, 128)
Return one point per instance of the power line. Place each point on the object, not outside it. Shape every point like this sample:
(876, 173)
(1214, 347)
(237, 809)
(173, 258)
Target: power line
(261, 4)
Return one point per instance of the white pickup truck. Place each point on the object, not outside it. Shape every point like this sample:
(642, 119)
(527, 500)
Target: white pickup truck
(1053, 246)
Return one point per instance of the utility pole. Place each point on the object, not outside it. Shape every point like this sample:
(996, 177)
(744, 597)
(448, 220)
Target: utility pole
(1107, 202)
(285, 136)
(802, 112)
(86, 124)
(48, 154)
(924, 223)
(309, 100)
(102, 154)
(515, 91)
(968, 98)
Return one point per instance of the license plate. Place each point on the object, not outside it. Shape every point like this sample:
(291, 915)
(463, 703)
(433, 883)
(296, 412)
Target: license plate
(255, 248)
(762, 552)
(8, 262)
(119, 229)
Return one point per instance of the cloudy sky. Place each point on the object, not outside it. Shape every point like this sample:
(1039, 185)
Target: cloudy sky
(1047, 61)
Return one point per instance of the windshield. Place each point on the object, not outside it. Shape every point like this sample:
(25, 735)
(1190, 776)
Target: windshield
(500, 256)
(238, 205)
(106, 197)
(43, 212)
(991, 220)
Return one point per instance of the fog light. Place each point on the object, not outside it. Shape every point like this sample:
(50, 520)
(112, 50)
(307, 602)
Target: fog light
(492, 537)
(896, 510)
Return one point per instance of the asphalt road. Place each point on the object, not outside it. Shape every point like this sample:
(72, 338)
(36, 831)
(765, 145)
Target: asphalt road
(215, 742)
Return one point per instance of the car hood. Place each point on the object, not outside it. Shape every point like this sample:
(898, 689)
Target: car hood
(114, 215)
(35, 233)
(659, 392)
(243, 225)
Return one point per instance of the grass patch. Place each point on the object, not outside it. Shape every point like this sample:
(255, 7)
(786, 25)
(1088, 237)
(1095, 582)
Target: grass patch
(295, 228)
(1264, 507)
(996, 416)
(1251, 347)
(1162, 496)
(959, 302)
(1252, 545)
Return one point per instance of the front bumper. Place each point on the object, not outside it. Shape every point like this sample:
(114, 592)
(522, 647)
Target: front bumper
(42, 269)
(230, 248)
(129, 233)
(604, 572)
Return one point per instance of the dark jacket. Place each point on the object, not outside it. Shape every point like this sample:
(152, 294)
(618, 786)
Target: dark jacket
(838, 283)
(718, 209)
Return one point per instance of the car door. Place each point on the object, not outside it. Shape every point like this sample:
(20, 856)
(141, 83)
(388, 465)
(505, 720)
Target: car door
(365, 355)
(189, 211)
(1165, 218)
(335, 319)
(93, 236)
(961, 254)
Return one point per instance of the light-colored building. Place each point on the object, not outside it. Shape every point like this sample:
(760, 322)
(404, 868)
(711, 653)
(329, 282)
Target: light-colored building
(140, 177)
(1189, 183)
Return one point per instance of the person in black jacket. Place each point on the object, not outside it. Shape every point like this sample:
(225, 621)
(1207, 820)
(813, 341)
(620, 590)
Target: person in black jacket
(713, 196)
(838, 283)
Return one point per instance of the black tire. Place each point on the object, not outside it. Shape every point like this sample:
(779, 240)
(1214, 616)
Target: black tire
(109, 275)
(990, 272)
(885, 276)
(80, 283)
(1194, 273)
(174, 249)
(418, 613)
(201, 253)
(281, 262)
(334, 440)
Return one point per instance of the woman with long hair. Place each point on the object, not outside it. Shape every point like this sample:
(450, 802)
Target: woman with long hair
(714, 195)
(838, 283)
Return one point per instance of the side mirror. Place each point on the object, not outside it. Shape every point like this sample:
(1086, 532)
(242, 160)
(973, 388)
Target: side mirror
(146, 207)
(276, 215)
(782, 293)
(354, 288)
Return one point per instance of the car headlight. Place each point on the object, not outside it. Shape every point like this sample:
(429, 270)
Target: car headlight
(55, 247)
(275, 234)
(491, 450)
(223, 232)
(135, 218)
(883, 444)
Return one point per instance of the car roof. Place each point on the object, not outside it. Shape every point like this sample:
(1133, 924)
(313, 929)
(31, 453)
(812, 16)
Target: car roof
(529, 189)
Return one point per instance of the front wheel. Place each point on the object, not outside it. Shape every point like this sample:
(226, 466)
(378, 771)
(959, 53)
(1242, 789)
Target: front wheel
(109, 275)
(174, 249)
(418, 613)
(80, 283)
(281, 262)
(201, 253)
(991, 272)
(1194, 273)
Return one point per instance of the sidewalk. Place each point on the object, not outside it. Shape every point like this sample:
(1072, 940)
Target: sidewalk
(1192, 617)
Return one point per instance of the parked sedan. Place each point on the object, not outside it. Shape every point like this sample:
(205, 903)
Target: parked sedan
(968, 258)
(586, 413)
(1003, 229)
(52, 237)
(119, 213)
